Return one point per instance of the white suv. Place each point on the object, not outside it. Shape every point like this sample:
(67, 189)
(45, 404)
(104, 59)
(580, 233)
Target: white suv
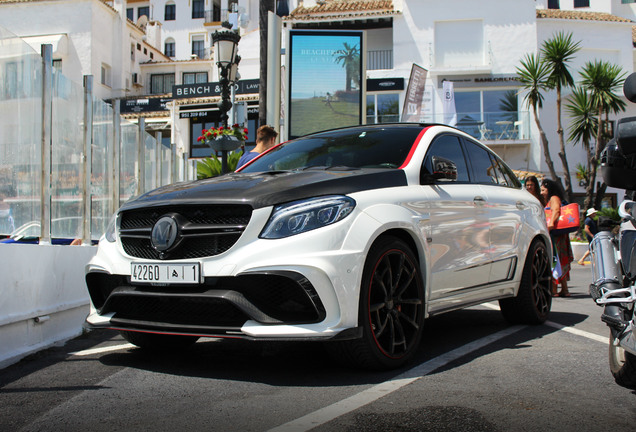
(352, 236)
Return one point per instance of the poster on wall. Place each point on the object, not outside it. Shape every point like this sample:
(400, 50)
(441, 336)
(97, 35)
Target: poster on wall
(326, 82)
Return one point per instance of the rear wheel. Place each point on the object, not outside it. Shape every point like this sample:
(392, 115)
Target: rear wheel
(623, 366)
(158, 342)
(391, 310)
(533, 301)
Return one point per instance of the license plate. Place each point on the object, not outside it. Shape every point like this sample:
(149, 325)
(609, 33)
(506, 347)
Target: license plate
(185, 273)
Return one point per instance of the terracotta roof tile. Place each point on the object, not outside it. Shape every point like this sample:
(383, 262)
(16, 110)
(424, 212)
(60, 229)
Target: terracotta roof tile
(343, 9)
(579, 15)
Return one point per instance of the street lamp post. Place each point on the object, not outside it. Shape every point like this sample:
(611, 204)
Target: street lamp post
(225, 48)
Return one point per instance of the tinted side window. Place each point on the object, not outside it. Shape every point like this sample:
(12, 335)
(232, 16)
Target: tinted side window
(482, 166)
(505, 176)
(511, 178)
(448, 147)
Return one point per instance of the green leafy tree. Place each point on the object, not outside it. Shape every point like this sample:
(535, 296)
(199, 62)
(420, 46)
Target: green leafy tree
(583, 128)
(349, 56)
(533, 74)
(557, 52)
(602, 80)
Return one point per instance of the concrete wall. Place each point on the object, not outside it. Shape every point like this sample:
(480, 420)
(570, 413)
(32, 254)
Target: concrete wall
(44, 298)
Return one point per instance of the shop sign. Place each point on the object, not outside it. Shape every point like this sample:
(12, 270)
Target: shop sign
(143, 105)
(385, 84)
(209, 89)
(193, 114)
(480, 80)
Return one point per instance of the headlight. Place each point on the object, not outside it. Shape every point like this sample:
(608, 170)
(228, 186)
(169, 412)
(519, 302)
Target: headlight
(111, 229)
(306, 215)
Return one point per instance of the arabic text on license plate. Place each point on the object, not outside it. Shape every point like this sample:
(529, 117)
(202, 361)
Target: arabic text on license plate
(165, 273)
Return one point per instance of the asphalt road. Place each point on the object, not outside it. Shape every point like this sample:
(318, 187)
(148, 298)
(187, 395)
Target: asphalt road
(474, 372)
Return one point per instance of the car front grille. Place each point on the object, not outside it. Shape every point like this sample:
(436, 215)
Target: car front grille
(204, 230)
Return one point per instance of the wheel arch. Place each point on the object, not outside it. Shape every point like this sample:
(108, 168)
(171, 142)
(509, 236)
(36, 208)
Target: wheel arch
(411, 241)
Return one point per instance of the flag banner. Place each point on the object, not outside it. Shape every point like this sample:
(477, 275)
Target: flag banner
(450, 113)
(412, 109)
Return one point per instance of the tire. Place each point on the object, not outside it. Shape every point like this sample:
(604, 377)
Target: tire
(534, 300)
(391, 310)
(158, 342)
(622, 365)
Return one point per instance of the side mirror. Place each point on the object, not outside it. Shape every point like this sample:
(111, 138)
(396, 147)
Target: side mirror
(444, 169)
(626, 135)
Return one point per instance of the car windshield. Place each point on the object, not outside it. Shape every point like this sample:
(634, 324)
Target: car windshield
(358, 147)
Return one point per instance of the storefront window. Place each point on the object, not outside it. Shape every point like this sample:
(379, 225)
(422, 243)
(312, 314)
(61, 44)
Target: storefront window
(486, 114)
(383, 108)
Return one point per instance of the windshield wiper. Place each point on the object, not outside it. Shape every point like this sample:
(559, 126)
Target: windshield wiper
(327, 168)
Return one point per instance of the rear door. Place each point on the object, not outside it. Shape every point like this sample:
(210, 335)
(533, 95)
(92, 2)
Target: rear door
(504, 209)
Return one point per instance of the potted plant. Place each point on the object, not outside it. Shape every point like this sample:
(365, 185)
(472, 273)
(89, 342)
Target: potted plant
(224, 138)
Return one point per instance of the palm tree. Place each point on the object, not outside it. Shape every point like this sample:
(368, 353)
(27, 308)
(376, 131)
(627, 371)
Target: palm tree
(350, 59)
(583, 129)
(602, 80)
(533, 75)
(557, 52)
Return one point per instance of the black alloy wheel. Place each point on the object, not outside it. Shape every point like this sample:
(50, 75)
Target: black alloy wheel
(534, 299)
(391, 311)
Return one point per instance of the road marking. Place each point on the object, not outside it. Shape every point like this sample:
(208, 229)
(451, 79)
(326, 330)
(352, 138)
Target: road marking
(593, 336)
(374, 393)
(572, 330)
(102, 350)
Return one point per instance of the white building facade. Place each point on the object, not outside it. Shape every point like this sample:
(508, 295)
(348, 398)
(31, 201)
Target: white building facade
(138, 50)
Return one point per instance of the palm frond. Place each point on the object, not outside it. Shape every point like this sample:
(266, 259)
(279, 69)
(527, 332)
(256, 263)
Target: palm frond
(533, 75)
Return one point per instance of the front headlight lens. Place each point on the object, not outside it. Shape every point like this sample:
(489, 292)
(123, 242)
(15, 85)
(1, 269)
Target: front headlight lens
(306, 215)
(111, 229)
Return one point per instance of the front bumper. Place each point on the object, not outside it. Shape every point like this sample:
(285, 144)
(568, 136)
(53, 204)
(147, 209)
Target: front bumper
(301, 287)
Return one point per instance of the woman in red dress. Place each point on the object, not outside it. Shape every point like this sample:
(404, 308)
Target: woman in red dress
(551, 193)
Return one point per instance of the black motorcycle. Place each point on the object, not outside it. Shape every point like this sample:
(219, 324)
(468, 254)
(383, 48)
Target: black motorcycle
(614, 253)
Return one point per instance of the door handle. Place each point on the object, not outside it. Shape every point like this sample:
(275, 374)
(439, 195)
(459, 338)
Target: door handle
(521, 205)
(479, 200)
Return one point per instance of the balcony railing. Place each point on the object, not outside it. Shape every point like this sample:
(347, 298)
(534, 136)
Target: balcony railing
(489, 126)
(379, 59)
(214, 14)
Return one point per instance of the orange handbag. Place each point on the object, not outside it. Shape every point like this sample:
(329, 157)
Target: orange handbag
(569, 220)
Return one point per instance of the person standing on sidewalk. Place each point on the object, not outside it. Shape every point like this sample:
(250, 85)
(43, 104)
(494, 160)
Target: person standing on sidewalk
(265, 139)
(590, 228)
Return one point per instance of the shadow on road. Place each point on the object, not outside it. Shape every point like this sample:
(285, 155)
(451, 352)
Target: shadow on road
(308, 363)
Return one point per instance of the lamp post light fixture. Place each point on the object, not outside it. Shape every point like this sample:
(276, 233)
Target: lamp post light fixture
(225, 48)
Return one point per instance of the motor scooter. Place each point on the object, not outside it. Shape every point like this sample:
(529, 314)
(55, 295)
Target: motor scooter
(614, 252)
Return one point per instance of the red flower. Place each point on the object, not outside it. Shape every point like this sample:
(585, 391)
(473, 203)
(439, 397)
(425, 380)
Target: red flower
(221, 128)
(203, 131)
(245, 131)
(200, 138)
(235, 125)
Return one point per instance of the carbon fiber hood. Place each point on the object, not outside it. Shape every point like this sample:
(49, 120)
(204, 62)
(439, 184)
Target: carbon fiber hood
(270, 188)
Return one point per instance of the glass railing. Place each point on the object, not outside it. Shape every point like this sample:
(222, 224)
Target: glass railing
(74, 198)
(489, 126)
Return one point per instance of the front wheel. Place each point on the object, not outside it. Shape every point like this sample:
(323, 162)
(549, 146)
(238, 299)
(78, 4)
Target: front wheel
(391, 311)
(622, 365)
(533, 301)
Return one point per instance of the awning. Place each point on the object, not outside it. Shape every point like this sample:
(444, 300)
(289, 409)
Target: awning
(59, 42)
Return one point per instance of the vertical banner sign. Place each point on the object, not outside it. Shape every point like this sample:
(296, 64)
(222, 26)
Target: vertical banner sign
(450, 113)
(412, 109)
(325, 80)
